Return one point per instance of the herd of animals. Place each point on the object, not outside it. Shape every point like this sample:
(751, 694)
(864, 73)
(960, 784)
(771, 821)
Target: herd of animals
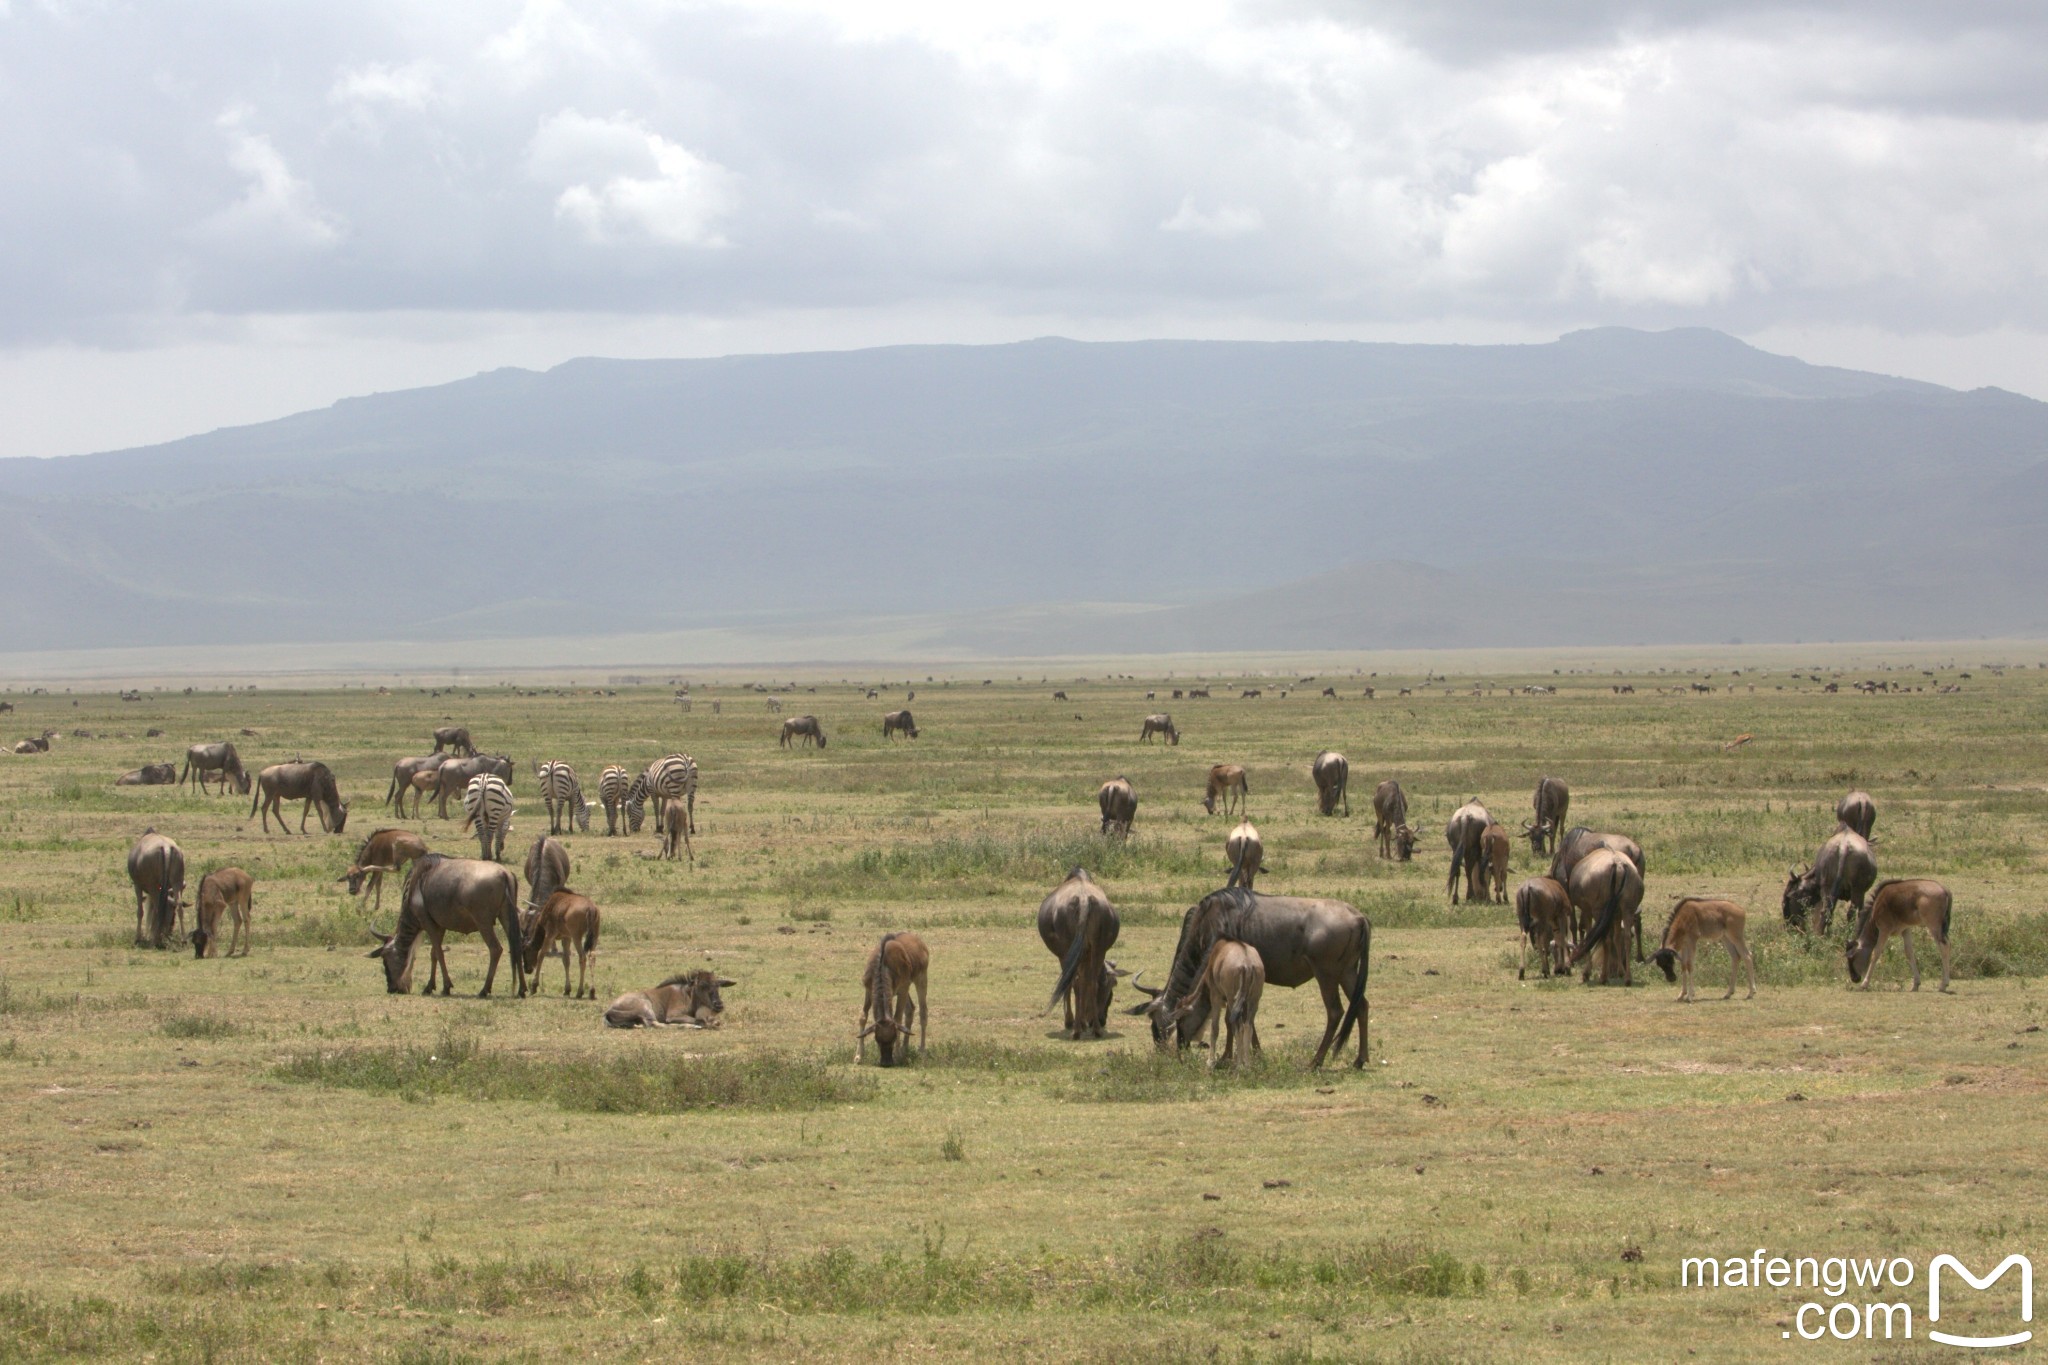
(1584, 911)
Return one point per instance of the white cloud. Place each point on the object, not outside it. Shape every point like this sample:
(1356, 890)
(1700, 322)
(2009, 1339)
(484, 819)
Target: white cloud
(626, 183)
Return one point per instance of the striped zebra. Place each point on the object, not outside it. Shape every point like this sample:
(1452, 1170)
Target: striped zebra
(670, 780)
(564, 796)
(487, 804)
(612, 785)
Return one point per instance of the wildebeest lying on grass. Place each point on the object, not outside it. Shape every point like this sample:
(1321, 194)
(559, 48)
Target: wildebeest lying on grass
(1695, 921)
(691, 1000)
(896, 967)
(1900, 907)
(230, 889)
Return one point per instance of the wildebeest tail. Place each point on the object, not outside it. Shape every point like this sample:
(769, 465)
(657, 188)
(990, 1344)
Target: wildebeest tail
(1608, 912)
(1358, 1011)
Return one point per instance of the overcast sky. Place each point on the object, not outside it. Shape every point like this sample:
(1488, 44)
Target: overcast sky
(214, 213)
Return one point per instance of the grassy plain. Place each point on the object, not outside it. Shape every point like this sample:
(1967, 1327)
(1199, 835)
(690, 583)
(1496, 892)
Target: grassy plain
(272, 1159)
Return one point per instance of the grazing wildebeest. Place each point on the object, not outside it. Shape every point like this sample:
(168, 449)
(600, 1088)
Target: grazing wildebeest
(453, 776)
(691, 1000)
(1227, 780)
(231, 890)
(1244, 853)
(1079, 926)
(444, 895)
(1389, 811)
(1580, 841)
(1119, 806)
(156, 866)
(1161, 724)
(488, 808)
(1544, 910)
(569, 919)
(1298, 938)
(1332, 775)
(149, 775)
(1843, 870)
(312, 783)
(386, 850)
(1695, 921)
(899, 722)
(612, 785)
(1858, 812)
(1899, 907)
(221, 758)
(897, 965)
(1607, 892)
(1465, 832)
(1232, 980)
(803, 729)
(402, 773)
(1552, 800)
(1494, 846)
(547, 870)
(455, 739)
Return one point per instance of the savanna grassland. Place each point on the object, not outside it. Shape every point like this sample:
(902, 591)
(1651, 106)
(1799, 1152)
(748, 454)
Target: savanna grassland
(271, 1158)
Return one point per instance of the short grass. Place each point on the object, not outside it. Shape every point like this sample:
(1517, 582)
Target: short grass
(271, 1159)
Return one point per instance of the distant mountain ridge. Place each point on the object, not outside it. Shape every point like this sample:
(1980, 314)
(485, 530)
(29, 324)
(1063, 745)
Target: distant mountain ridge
(1611, 486)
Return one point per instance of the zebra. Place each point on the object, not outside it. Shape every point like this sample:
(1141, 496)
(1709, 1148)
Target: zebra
(487, 804)
(564, 796)
(671, 780)
(611, 789)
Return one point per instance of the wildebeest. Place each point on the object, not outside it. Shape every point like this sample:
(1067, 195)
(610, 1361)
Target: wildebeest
(1233, 978)
(386, 850)
(488, 808)
(896, 967)
(1580, 841)
(1332, 776)
(1544, 910)
(1161, 724)
(1843, 870)
(1494, 845)
(1389, 811)
(1119, 806)
(899, 722)
(458, 895)
(569, 919)
(156, 865)
(1898, 908)
(453, 776)
(312, 783)
(1553, 799)
(455, 739)
(1465, 833)
(1244, 854)
(1227, 780)
(1297, 938)
(149, 775)
(691, 1000)
(804, 730)
(402, 773)
(1858, 812)
(1079, 926)
(1607, 892)
(231, 890)
(221, 758)
(1694, 921)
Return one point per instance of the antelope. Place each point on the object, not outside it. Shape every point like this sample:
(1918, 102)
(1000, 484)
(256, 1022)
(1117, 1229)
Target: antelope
(1696, 921)
(1119, 806)
(156, 865)
(1233, 978)
(896, 965)
(1161, 724)
(1228, 781)
(228, 889)
(1544, 910)
(1495, 845)
(1897, 908)
(566, 918)
(1389, 812)
(387, 850)
(1246, 852)
(691, 1000)
(1332, 776)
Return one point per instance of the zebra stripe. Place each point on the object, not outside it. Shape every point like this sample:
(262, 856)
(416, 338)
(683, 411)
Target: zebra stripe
(564, 796)
(487, 804)
(612, 786)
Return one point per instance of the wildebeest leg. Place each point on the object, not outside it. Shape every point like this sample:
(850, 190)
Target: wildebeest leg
(1333, 1014)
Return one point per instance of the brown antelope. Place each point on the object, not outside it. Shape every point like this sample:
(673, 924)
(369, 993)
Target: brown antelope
(1897, 908)
(1332, 776)
(1227, 780)
(1544, 910)
(229, 889)
(896, 965)
(1246, 853)
(1696, 921)
(1233, 978)
(570, 920)
(1119, 806)
(388, 850)
(691, 1000)
(156, 865)
(1495, 845)
(1389, 813)
(1161, 724)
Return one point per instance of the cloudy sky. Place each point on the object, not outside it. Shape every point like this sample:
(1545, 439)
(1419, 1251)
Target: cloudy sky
(214, 212)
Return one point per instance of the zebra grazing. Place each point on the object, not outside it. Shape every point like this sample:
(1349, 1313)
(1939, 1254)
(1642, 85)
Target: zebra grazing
(487, 804)
(564, 796)
(670, 781)
(612, 786)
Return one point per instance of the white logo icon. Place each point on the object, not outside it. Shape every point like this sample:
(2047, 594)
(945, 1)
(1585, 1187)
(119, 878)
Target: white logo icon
(2026, 1298)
